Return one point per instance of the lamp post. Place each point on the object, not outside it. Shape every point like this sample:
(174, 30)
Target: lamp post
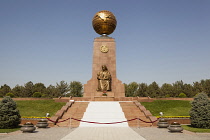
(161, 114)
(47, 114)
(162, 122)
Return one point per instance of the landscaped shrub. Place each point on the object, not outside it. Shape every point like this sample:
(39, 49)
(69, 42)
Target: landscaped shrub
(182, 95)
(9, 115)
(37, 95)
(167, 95)
(44, 96)
(10, 95)
(200, 111)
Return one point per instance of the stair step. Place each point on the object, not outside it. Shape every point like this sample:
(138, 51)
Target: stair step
(131, 111)
(75, 111)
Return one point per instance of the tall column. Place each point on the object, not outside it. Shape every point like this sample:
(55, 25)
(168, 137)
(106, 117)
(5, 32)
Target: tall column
(104, 53)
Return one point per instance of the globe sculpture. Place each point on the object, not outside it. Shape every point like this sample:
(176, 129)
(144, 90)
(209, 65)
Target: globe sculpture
(104, 22)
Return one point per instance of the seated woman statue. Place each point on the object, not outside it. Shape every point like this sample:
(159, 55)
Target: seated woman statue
(104, 79)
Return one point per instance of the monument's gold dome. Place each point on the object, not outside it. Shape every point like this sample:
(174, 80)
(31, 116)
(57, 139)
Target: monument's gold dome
(104, 22)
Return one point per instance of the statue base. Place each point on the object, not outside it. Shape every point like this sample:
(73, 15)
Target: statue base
(107, 58)
(100, 93)
(104, 98)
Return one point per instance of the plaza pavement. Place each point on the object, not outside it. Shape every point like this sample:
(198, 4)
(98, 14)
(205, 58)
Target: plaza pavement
(108, 133)
(103, 112)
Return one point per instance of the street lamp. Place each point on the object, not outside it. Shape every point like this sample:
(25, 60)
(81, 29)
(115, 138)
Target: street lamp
(161, 114)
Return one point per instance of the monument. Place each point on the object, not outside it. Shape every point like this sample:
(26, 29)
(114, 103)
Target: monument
(104, 77)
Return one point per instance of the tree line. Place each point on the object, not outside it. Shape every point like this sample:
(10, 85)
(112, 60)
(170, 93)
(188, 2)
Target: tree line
(40, 90)
(177, 89)
(133, 89)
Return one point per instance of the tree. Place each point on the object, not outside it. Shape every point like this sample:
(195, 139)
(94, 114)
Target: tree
(28, 89)
(9, 115)
(200, 111)
(18, 91)
(153, 90)
(178, 88)
(52, 91)
(206, 86)
(75, 89)
(131, 89)
(39, 87)
(188, 90)
(167, 90)
(142, 90)
(197, 87)
(4, 90)
(62, 88)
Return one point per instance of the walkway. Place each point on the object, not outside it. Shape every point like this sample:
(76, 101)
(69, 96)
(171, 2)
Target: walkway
(149, 133)
(103, 133)
(104, 112)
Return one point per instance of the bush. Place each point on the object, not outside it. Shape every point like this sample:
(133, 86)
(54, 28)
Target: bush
(10, 95)
(182, 95)
(167, 95)
(9, 115)
(44, 96)
(37, 94)
(200, 111)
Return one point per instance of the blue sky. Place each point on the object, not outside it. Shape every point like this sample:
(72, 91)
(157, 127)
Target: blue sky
(157, 40)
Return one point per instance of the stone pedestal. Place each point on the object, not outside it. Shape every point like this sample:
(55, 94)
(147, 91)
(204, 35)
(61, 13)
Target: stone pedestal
(28, 127)
(175, 127)
(104, 58)
(42, 123)
(162, 123)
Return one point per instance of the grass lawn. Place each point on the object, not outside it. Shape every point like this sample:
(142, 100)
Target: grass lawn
(8, 130)
(38, 108)
(168, 107)
(197, 130)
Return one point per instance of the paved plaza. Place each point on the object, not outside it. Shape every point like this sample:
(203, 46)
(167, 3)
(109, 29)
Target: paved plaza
(104, 112)
(107, 133)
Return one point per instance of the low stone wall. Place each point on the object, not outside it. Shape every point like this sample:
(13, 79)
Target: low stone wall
(66, 99)
(125, 98)
(179, 120)
(58, 115)
(145, 99)
(60, 100)
(19, 99)
(181, 99)
(140, 99)
(34, 121)
(148, 99)
(147, 113)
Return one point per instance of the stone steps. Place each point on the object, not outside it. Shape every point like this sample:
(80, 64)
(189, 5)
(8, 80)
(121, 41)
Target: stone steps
(131, 111)
(104, 112)
(75, 111)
